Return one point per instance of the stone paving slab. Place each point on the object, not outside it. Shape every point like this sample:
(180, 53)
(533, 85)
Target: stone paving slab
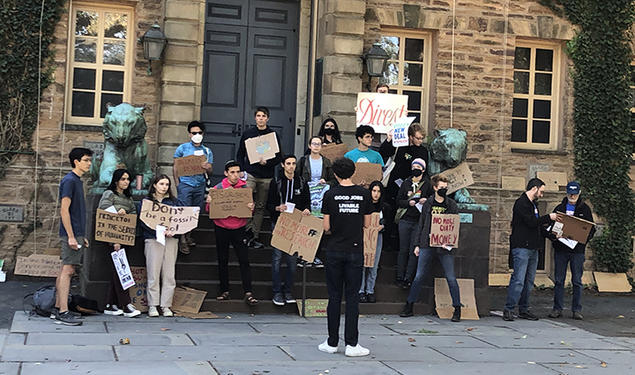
(3, 338)
(255, 339)
(341, 366)
(431, 341)
(41, 324)
(518, 355)
(9, 368)
(629, 342)
(108, 339)
(456, 330)
(110, 368)
(378, 352)
(16, 339)
(469, 368)
(610, 369)
(611, 356)
(201, 353)
(173, 327)
(557, 332)
(314, 329)
(56, 353)
(528, 342)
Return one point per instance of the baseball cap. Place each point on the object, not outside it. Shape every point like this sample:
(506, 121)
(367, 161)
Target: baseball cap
(573, 187)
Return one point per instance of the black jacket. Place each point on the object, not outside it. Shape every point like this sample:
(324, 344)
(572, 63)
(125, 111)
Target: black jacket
(403, 159)
(582, 211)
(422, 232)
(526, 227)
(278, 190)
(404, 194)
(304, 167)
(257, 170)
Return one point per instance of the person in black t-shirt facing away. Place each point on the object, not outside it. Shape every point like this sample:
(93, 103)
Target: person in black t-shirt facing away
(346, 210)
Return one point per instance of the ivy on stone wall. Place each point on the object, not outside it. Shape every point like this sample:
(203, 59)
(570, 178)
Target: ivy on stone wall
(19, 70)
(601, 55)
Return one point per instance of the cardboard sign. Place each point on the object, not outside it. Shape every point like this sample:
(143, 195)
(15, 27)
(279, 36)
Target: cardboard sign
(380, 111)
(198, 315)
(139, 291)
(400, 131)
(120, 261)
(552, 180)
(177, 220)
(313, 308)
(365, 173)
(334, 151)
(444, 230)
(188, 300)
(38, 265)
(317, 191)
(370, 240)
(189, 165)
(573, 228)
(612, 282)
(458, 177)
(230, 202)
(295, 232)
(115, 228)
(264, 147)
(443, 300)
(513, 183)
(499, 279)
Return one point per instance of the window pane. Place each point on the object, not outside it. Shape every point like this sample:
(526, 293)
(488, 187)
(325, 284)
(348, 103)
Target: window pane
(521, 82)
(85, 50)
(85, 23)
(390, 44)
(112, 81)
(112, 99)
(542, 109)
(544, 60)
(413, 74)
(414, 49)
(519, 130)
(543, 84)
(522, 57)
(115, 53)
(391, 74)
(414, 100)
(520, 107)
(116, 25)
(416, 115)
(83, 104)
(84, 79)
(540, 132)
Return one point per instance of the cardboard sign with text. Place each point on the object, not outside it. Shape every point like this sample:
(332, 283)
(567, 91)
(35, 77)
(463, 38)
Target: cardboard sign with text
(370, 240)
(612, 282)
(38, 265)
(295, 232)
(458, 177)
(188, 300)
(444, 230)
(365, 173)
(189, 165)
(552, 180)
(178, 220)
(380, 111)
(573, 228)
(400, 132)
(334, 151)
(313, 308)
(264, 147)
(443, 300)
(230, 202)
(139, 291)
(115, 228)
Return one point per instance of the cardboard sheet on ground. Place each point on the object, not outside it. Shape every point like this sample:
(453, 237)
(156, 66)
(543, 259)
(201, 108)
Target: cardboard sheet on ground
(313, 308)
(573, 228)
(458, 177)
(139, 292)
(333, 151)
(444, 230)
(317, 191)
(178, 220)
(552, 180)
(295, 232)
(265, 147)
(380, 111)
(199, 315)
(542, 280)
(400, 131)
(189, 165)
(499, 279)
(188, 300)
(38, 265)
(230, 202)
(120, 261)
(370, 240)
(365, 173)
(115, 228)
(612, 282)
(443, 300)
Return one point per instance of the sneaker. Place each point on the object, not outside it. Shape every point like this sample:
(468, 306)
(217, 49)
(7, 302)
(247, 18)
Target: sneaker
(67, 319)
(326, 348)
(356, 351)
(184, 248)
(152, 311)
(317, 263)
(405, 285)
(130, 311)
(362, 298)
(113, 310)
(370, 298)
(508, 315)
(577, 315)
(555, 314)
(54, 312)
(167, 312)
(407, 310)
(288, 298)
(255, 244)
(300, 263)
(278, 299)
(456, 317)
(527, 315)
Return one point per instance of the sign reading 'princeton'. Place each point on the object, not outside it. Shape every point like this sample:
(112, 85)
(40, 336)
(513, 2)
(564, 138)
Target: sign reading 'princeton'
(115, 228)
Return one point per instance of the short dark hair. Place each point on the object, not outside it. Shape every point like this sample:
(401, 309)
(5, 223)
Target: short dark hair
(231, 163)
(380, 85)
(363, 130)
(534, 182)
(264, 110)
(116, 176)
(343, 168)
(77, 154)
(195, 124)
(437, 178)
(315, 137)
(288, 156)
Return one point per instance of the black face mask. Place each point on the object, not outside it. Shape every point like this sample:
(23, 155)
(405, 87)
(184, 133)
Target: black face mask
(442, 192)
(329, 131)
(417, 172)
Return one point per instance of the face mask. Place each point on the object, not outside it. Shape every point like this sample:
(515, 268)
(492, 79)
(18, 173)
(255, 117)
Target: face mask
(417, 172)
(329, 131)
(197, 138)
(442, 192)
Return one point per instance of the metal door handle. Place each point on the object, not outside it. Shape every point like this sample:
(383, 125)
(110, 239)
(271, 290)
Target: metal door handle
(238, 130)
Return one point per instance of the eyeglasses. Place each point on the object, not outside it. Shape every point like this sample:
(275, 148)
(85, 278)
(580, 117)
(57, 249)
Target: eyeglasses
(193, 133)
(418, 138)
(316, 144)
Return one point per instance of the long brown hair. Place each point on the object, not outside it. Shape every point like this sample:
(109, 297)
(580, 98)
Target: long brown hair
(153, 190)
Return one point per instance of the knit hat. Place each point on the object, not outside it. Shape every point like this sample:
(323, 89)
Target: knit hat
(420, 162)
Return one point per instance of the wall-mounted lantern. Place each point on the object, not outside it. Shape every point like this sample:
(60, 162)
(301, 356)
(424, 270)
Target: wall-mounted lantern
(376, 59)
(154, 42)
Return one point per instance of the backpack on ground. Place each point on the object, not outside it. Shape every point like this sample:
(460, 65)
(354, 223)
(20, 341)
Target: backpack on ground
(42, 301)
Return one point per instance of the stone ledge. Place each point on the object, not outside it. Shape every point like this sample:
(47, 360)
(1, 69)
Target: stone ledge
(540, 152)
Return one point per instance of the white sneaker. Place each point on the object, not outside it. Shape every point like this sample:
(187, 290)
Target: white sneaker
(113, 310)
(130, 311)
(356, 351)
(167, 311)
(152, 311)
(326, 348)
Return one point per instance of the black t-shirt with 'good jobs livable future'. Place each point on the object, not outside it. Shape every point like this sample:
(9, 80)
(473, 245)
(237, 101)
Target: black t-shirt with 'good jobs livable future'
(346, 207)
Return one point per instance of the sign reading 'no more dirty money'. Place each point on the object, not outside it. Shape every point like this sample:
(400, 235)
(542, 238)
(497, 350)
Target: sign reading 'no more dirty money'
(444, 230)
(115, 228)
(177, 220)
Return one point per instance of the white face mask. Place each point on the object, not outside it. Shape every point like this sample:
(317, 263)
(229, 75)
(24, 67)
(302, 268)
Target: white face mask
(197, 138)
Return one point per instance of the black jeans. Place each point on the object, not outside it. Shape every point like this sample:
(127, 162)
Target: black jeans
(343, 272)
(116, 295)
(238, 240)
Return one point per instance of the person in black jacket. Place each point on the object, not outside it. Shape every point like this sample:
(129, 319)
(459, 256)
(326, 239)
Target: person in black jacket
(258, 174)
(569, 252)
(525, 242)
(283, 191)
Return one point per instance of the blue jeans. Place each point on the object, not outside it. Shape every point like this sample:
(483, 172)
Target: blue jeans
(447, 262)
(192, 196)
(576, 262)
(522, 281)
(369, 274)
(276, 258)
(343, 276)
(406, 260)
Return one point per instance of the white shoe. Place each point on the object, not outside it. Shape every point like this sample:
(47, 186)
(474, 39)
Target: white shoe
(167, 311)
(152, 311)
(326, 348)
(356, 351)
(113, 310)
(131, 311)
